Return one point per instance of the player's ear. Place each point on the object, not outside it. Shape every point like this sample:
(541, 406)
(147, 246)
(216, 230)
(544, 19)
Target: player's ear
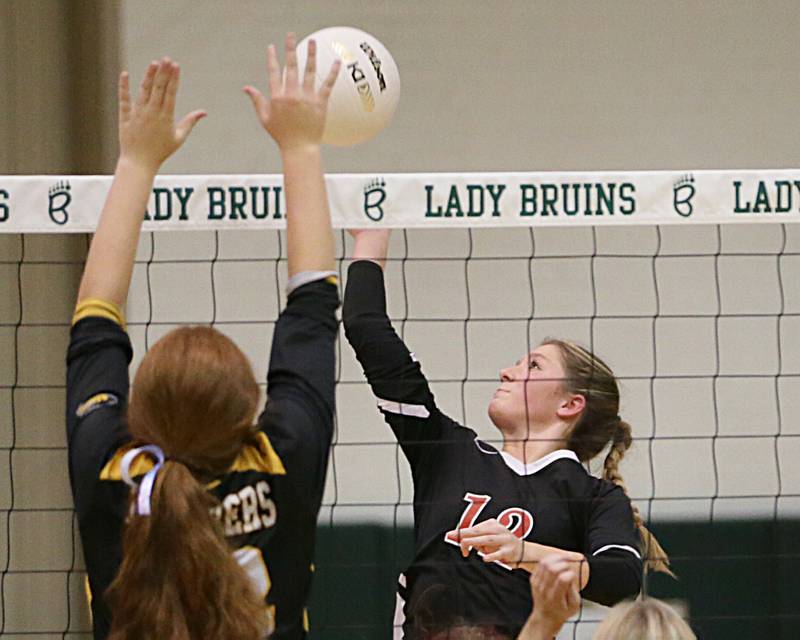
(571, 406)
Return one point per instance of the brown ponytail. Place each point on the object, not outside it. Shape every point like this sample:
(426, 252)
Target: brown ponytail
(655, 556)
(600, 424)
(178, 579)
(195, 397)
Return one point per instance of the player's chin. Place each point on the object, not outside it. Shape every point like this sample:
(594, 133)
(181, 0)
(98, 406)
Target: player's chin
(497, 412)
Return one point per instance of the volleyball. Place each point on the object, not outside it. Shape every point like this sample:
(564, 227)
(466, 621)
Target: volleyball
(367, 90)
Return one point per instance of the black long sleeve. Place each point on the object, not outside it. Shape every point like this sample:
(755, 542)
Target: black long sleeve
(395, 376)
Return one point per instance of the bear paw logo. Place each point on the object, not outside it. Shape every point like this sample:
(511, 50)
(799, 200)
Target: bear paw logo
(374, 195)
(682, 193)
(58, 199)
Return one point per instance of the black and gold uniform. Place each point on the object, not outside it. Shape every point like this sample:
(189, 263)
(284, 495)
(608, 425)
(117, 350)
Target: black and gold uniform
(461, 481)
(269, 500)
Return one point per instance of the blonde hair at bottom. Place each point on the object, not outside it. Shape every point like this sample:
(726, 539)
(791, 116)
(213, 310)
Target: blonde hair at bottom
(646, 619)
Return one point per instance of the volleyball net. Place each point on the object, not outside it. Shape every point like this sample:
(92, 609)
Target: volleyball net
(685, 283)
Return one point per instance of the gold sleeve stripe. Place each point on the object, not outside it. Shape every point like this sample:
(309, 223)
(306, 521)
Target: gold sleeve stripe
(259, 457)
(94, 307)
(88, 591)
(332, 280)
(95, 402)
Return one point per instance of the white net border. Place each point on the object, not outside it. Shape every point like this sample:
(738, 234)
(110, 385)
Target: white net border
(43, 204)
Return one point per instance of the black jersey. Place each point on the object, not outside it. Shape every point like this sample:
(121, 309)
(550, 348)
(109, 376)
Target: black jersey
(460, 481)
(270, 499)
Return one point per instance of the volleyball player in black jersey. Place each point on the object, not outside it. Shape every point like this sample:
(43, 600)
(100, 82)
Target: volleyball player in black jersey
(483, 516)
(197, 519)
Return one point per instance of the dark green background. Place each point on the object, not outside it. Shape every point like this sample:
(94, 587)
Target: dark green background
(739, 578)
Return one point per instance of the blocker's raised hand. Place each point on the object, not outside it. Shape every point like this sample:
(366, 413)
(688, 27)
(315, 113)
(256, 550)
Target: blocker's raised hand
(148, 134)
(294, 115)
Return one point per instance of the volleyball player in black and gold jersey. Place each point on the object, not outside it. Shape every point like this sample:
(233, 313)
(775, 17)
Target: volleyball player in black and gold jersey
(197, 519)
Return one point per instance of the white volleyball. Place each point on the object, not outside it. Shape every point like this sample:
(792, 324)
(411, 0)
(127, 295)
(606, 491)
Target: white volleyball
(368, 87)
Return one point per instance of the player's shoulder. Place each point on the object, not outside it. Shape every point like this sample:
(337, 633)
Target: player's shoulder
(598, 491)
(562, 464)
(257, 456)
(563, 468)
(95, 334)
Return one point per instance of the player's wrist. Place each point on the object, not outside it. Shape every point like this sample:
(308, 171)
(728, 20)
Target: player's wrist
(548, 626)
(370, 256)
(530, 556)
(300, 151)
(540, 628)
(371, 247)
(131, 163)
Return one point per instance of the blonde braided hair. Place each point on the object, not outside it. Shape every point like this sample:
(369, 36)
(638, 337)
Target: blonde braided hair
(655, 556)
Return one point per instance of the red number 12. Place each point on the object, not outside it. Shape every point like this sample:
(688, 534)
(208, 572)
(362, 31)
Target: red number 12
(519, 521)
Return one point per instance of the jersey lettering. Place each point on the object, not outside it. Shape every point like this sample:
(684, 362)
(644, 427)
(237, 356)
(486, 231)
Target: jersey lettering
(247, 510)
(517, 520)
(233, 525)
(477, 503)
(269, 513)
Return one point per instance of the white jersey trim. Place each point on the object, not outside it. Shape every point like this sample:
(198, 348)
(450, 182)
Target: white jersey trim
(618, 546)
(403, 408)
(304, 277)
(522, 469)
(399, 615)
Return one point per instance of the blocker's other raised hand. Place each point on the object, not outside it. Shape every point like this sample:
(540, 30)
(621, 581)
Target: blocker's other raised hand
(294, 114)
(148, 134)
(554, 589)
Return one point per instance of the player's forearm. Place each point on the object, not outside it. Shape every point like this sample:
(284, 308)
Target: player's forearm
(390, 369)
(616, 575)
(533, 553)
(109, 265)
(308, 220)
(373, 246)
(365, 295)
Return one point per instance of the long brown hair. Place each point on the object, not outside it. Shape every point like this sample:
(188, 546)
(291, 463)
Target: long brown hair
(599, 425)
(195, 396)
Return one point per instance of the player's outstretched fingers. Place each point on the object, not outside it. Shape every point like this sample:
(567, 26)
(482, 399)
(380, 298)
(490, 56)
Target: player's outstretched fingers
(146, 87)
(171, 92)
(310, 75)
(185, 126)
(327, 86)
(260, 103)
(291, 62)
(124, 97)
(273, 71)
(160, 83)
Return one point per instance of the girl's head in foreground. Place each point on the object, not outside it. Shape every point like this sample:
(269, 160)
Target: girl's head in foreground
(195, 397)
(648, 619)
(564, 393)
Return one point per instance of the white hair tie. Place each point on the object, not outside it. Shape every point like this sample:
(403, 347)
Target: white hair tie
(145, 488)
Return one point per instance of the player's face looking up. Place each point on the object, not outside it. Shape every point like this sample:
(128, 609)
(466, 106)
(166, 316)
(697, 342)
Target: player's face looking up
(532, 396)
